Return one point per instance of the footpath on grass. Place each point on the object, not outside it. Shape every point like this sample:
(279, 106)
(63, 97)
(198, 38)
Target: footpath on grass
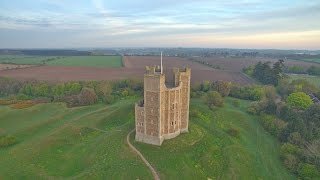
(154, 172)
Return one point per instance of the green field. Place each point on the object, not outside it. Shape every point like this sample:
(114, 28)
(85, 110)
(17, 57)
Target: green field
(317, 60)
(313, 79)
(90, 142)
(86, 61)
(17, 59)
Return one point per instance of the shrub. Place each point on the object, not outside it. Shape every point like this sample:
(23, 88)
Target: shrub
(222, 87)
(86, 97)
(7, 140)
(308, 171)
(299, 100)
(21, 96)
(288, 148)
(213, 98)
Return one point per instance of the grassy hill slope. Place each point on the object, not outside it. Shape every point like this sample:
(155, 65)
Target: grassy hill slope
(90, 142)
(209, 151)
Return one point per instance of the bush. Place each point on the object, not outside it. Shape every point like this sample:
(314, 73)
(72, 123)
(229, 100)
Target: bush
(272, 124)
(213, 98)
(7, 140)
(86, 97)
(21, 96)
(299, 100)
(308, 171)
(254, 93)
(222, 87)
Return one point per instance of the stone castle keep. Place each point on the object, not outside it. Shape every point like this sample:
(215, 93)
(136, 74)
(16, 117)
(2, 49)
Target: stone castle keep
(164, 112)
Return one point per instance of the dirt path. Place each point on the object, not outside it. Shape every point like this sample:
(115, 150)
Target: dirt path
(153, 171)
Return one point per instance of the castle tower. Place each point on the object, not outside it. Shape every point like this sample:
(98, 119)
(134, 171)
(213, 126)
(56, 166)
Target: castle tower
(164, 112)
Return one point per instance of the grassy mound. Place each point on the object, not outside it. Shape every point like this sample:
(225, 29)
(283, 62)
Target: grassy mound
(90, 142)
(210, 151)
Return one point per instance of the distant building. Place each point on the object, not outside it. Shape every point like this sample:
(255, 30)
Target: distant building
(164, 112)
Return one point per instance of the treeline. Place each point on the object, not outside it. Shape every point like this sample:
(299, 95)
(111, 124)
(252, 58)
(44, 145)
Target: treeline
(285, 110)
(266, 74)
(312, 70)
(293, 118)
(73, 93)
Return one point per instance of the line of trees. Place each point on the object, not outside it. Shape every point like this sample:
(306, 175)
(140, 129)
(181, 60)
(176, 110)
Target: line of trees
(73, 93)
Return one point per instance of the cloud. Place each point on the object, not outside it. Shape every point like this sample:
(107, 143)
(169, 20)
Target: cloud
(98, 21)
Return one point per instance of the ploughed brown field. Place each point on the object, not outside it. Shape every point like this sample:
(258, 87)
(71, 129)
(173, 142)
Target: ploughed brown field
(237, 64)
(134, 67)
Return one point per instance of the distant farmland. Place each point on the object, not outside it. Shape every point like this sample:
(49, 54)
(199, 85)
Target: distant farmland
(85, 61)
(80, 68)
(88, 61)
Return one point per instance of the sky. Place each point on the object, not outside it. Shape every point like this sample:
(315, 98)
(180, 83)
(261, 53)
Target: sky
(260, 24)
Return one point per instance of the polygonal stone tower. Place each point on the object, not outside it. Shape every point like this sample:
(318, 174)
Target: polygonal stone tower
(164, 112)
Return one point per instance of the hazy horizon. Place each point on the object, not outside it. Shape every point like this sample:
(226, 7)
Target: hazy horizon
(243, 24)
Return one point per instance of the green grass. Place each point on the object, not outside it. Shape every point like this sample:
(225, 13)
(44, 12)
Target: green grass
(312, 79)
(90, 142)
(88, 61)
(316, 60)
(208, 151)
(57, 142)
(21, 59)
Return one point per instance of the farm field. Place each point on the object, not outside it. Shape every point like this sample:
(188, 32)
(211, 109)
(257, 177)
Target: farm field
(88, 61)
(85, 61)
(26, 60)
(313, 79)
(317, 60)
(90, 142)
(237, 64)
(134, 67)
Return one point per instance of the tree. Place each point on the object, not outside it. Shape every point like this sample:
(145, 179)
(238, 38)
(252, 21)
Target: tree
(205, 86)
(267, 75)
(213, 98)
(309, 171)
(299, 100)
(222, 87)
(312, 121)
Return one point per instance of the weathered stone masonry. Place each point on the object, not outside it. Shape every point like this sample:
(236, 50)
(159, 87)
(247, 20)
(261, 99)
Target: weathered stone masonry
(164, 112)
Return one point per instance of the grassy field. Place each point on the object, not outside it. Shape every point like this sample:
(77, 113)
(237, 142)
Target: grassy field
(90, 142)
(80, 143)
(313, 79)
(317, 60)
(88, 61)
(16, 59)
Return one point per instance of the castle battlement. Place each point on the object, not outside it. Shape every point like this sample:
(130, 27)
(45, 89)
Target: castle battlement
(164, 112)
